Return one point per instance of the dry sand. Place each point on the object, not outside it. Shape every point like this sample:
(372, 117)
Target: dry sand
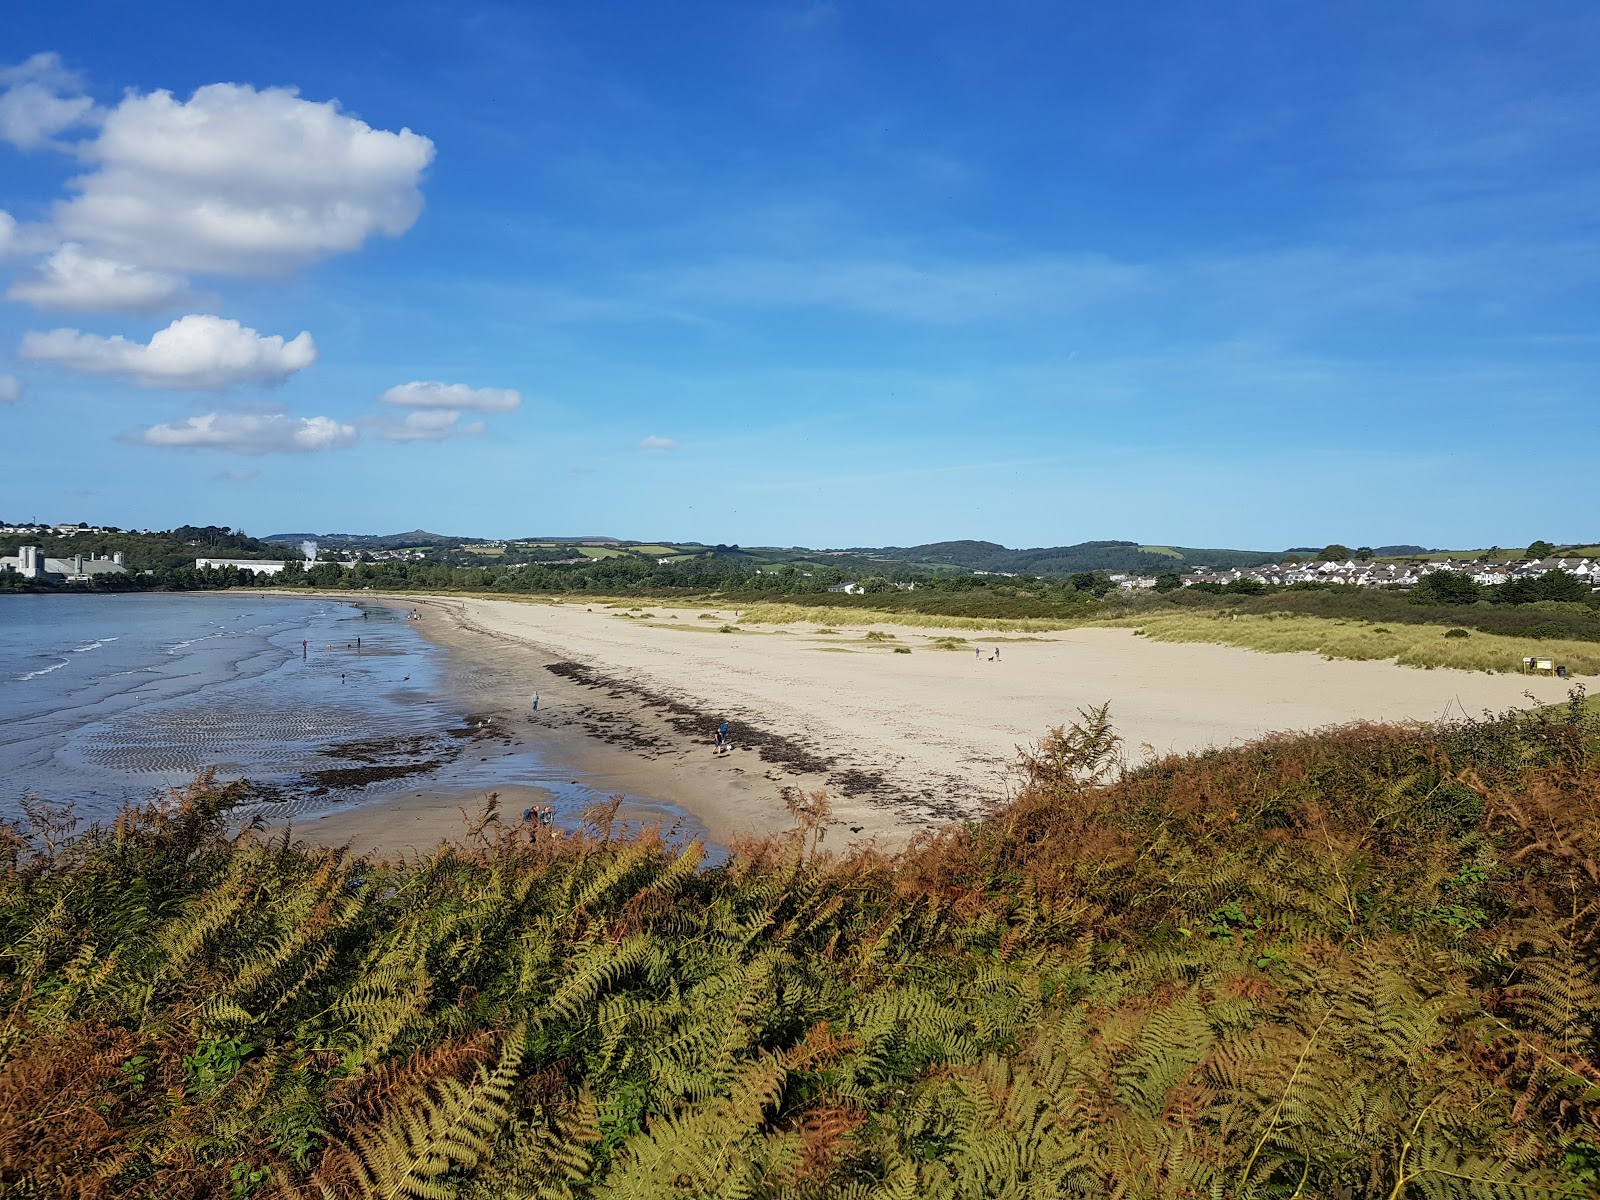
(903, 742)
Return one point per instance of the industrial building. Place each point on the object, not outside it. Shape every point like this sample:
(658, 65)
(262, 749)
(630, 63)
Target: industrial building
(31, 563)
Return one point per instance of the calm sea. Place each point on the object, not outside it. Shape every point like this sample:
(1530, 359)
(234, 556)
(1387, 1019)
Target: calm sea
(106, 700)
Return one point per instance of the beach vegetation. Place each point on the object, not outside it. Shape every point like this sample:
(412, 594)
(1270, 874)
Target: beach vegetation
(1358, 963)
(1408, 645)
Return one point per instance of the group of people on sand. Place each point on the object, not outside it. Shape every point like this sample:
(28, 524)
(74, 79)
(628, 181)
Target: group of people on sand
(995, 657)
(534, 819)
(722, 742)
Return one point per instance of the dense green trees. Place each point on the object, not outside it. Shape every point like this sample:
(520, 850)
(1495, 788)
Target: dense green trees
(1448, 587)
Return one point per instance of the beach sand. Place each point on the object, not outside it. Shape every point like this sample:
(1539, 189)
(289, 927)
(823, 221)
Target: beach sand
(902, 742)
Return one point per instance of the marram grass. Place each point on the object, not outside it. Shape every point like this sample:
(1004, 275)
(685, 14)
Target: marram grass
(1409, 645)
(808, 614)
(1423, 646)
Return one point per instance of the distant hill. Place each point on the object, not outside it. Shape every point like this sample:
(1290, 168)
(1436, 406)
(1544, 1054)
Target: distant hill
(1065, 560)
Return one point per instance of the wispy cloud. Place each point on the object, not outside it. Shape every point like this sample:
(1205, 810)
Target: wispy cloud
(653, 442)
(431, 394)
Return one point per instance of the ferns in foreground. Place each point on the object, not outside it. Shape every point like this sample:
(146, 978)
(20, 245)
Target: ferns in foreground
(1360, 963)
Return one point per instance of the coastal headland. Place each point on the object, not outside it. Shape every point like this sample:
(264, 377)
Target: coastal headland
(905, 728)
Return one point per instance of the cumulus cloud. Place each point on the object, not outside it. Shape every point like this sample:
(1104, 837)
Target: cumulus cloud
(75, 280)
(240, 181)
(41, 99)
(430, 425)
(10, 389)
(458, 396)
(658, 443)
(194, 353)
(250, 433)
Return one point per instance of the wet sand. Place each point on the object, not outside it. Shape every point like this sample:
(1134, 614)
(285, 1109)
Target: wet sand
(902, 742)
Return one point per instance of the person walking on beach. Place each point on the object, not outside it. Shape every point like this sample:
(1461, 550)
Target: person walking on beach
(536, 702)
(724, 743)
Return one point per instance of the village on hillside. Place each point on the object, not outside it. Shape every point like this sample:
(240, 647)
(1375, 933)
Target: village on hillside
(1483, 571)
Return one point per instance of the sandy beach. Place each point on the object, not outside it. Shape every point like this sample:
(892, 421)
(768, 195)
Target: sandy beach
(902, 741)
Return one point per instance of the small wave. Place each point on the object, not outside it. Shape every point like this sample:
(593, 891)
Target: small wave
(174, 647)
(86, 649)
(42, 671)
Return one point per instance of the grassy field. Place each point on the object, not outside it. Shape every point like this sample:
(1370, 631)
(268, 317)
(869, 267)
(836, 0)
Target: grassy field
(1409, 645)
(1513, 554)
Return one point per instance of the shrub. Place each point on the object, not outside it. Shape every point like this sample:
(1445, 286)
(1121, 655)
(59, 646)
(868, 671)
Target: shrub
(1456, 633)
(1353, 963)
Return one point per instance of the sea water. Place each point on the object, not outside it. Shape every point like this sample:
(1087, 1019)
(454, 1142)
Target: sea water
(113, 699)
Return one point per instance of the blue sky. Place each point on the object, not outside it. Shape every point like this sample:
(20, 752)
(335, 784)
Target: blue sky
(822, 274)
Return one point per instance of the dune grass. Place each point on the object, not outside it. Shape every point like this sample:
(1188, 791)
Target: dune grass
(795, 614)
(1409, 645)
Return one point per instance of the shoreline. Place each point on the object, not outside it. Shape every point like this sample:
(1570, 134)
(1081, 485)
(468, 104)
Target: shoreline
(902, 742)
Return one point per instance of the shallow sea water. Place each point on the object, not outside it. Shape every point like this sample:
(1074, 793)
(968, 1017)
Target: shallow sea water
(109, 700)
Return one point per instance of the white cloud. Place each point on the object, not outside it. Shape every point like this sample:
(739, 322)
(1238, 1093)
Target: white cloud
(75, 280)
(658, 443)
(249, 433)
(244, 476)
(240, 181)
(194, 353)
(10, 389)
(8, 232)
(430, 425)
(428, 394)
(41, 99)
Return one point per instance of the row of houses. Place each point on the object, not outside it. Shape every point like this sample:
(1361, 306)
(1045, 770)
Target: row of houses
(1488, 572)
(69, 529)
